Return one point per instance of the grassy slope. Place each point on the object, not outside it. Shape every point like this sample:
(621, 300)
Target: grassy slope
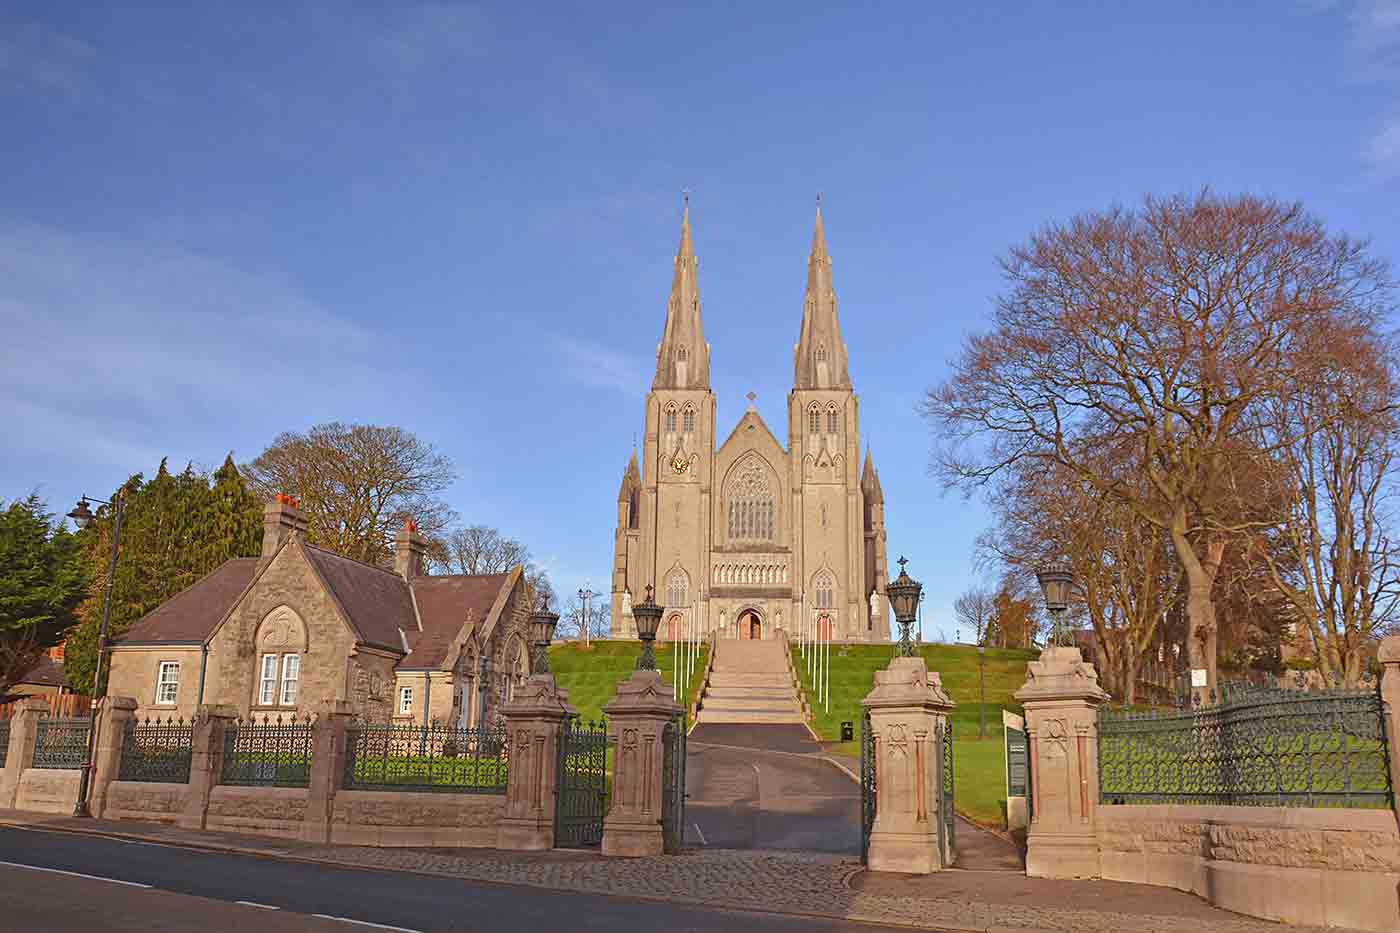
(979, 767)
(591, 677)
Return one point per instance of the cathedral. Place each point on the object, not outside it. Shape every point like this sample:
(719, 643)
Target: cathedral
(751, 538)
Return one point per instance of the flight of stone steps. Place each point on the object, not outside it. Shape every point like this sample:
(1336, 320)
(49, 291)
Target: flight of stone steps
(750, 683)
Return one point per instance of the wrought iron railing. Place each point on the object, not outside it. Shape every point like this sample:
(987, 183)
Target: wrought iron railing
(385, 756)
(267, 752)
(4, 740)
(61, 743)
(157, 750)
(1257, 746)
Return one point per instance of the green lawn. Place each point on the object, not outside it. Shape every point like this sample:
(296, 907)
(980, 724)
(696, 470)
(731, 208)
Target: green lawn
(978, 767)
(591, 676)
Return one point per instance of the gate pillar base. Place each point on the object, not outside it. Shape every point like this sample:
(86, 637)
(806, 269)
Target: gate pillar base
(908, 715)
(637, 719)
(1062, 696)
(533, 720)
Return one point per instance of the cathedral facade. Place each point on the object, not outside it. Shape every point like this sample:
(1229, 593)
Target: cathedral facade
(744, 536)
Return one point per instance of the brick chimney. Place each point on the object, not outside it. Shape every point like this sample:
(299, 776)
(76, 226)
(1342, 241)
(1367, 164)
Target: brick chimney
(282, 518)
(409, 548)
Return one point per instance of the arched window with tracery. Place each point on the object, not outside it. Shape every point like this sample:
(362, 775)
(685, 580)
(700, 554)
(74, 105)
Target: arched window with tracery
(753, 510)
(821, 353)
(826, 592)
(682, 354)
(677, 589)
(671, 420)
(832, 419)
(814, 421)
(689, 420)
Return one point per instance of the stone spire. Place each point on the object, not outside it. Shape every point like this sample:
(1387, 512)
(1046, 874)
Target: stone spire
(631, 478)
(820, 357)
(682, 357)
(870, 481)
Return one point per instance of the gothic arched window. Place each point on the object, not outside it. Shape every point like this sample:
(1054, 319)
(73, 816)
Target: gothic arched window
(682, 354)
(753, 511)
(831, 420)
(825, 592)
(671, 420)
(689, 420)
(677, 589)
(814, 421)
(821, 353)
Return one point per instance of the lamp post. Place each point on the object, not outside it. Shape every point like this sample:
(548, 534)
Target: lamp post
(1055, 582)
(648, 616)
(82, 517)
(585, 597)
(542, 623)
(982, 687)
(903, 592)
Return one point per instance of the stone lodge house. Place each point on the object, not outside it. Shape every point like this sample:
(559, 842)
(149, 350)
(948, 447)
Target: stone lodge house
(285, 632)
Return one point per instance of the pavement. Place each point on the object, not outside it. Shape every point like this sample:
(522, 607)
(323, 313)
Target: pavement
(719, 889)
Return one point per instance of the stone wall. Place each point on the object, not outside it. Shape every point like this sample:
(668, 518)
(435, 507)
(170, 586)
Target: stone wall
(265, 811)
(145, 800)
(397, 818)
(1317, 866)
(48, 790)
(135, 670)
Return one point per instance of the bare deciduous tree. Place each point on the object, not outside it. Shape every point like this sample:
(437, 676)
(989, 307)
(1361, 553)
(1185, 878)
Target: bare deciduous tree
(1161, 331)
(975, 608)
(358, 484)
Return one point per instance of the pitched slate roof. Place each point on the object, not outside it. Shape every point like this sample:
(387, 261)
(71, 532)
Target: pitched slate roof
(375, 601)
(443, 606)
(47, 673)
(191, 614)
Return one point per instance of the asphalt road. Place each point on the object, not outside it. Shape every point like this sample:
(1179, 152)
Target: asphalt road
(750, 787)
(144, 886)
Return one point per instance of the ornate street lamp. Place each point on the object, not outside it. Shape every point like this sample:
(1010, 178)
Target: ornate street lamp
(647, 615)
(903, 592)
(82, 517)
(1056, 581)
(542, 623)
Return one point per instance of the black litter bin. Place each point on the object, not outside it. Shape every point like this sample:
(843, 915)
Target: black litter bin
(848, 731)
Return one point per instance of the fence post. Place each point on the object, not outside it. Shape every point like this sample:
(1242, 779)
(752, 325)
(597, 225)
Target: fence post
(637, 716)
(327, 768)
(113, 715)
(908, 713)
(23, 727)
(1389, 656)
(1062, 696)
(206, 762)
(533, 720)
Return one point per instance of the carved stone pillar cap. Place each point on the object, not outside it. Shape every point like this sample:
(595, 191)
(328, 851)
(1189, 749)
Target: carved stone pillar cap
(540, 697)
(908, 682)
(643, 693)
(1389, 651)
(1061, 673)
(120, 702)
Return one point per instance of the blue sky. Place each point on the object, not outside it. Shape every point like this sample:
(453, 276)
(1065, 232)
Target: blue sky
(216, 225)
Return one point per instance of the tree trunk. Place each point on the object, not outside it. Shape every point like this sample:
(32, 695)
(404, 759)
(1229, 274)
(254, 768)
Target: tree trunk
(1129, 676)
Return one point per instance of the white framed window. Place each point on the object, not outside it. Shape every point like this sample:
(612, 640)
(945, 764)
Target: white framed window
(291, 673)
(267, 680)
(405, 700)
(168, 683)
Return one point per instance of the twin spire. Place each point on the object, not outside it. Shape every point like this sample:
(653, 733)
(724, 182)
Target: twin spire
(683, 357)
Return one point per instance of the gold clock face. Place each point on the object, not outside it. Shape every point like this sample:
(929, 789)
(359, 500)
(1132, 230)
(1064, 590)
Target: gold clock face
(680, 464)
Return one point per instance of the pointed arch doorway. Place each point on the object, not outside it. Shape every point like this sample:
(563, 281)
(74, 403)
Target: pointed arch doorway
(750, 625)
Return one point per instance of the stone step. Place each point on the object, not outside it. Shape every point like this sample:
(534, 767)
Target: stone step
(746, 716)
(723, 690)
(752, 703)
(758, 680)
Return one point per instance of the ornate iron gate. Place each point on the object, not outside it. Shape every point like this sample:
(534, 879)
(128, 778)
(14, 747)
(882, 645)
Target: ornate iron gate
(948, 818)
(673, 785)
(867, 785)
(581, 792)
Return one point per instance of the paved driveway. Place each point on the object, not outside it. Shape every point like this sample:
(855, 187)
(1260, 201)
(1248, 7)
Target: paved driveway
(764, 787)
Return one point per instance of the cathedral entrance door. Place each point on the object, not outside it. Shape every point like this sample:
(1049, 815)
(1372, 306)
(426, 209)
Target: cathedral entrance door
(750, 627)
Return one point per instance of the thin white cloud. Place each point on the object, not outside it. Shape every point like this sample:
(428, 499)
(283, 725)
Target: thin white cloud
(1373, 56)
(592, 364)
(37, 59)
(115, 351)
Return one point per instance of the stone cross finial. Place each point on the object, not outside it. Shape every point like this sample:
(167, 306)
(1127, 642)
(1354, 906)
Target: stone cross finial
(751, 397)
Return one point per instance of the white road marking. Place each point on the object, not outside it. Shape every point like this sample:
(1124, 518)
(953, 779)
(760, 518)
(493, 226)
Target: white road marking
(366, 923)
(700, 834)
(76, 874)
(256, 904)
